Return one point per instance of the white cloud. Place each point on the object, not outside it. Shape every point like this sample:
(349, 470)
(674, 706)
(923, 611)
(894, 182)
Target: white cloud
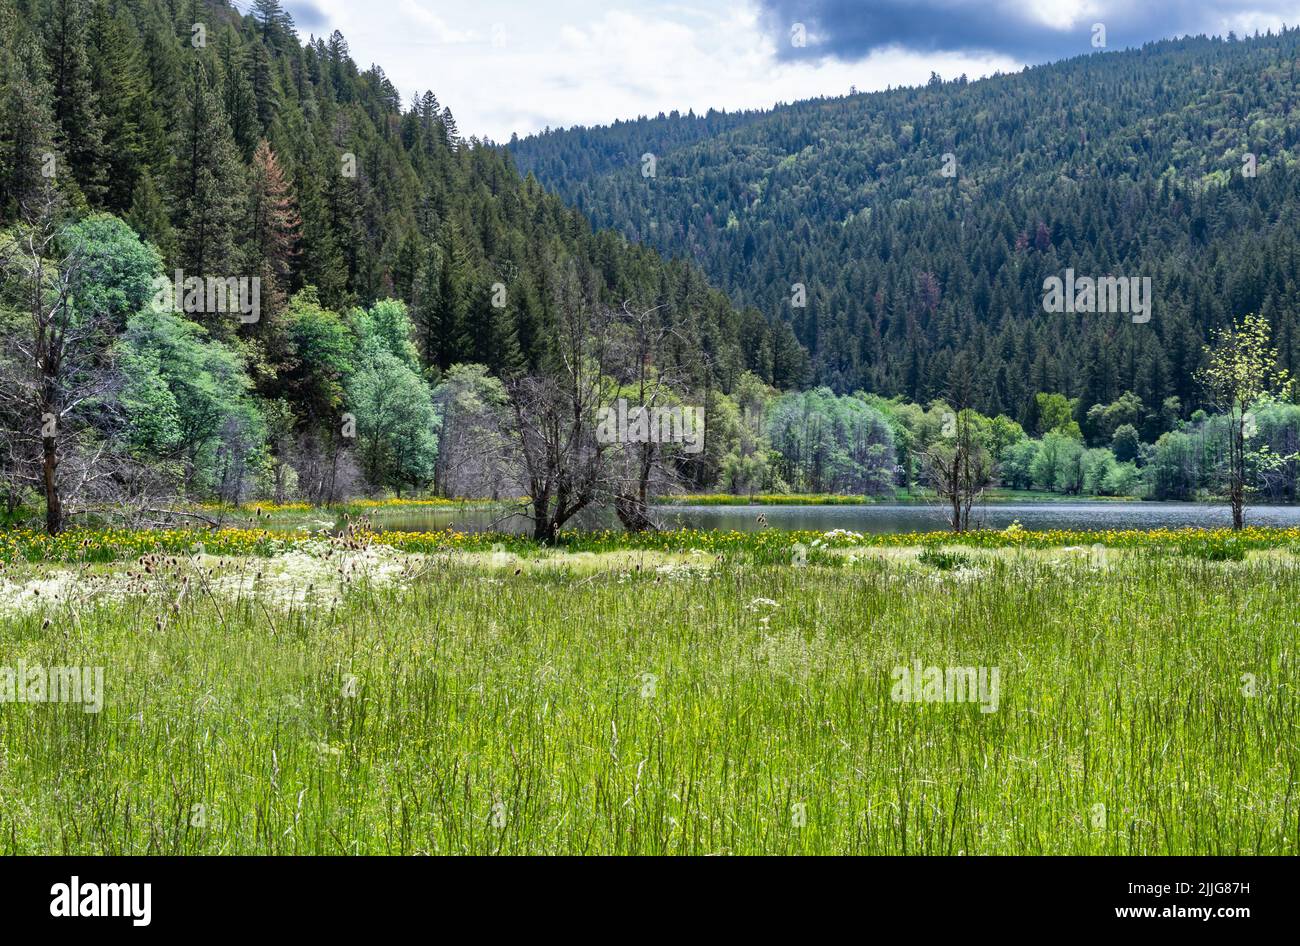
(1063, 14)
(419, 15)
(585, 62)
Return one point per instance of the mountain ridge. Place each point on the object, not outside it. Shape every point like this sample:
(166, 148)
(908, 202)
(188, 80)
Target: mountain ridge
(1126, 162)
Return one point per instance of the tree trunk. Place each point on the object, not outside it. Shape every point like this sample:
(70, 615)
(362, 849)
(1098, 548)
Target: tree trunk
(53, 503)
(634, 513)
(1237, 473)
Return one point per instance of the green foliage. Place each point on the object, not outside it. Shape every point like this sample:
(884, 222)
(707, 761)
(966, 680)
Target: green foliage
(386, 327)
(1123, 163)
(187, 402)
(397, 428)
(1122, 479)
(1017, 466)
(1056, 415)
(1175, 468)
(115, 269)
(321, 358)
(1124, 443)
(943, 559)
(825, 443)
(1056, 466)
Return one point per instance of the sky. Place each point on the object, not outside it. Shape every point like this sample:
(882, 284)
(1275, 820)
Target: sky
(521, 66)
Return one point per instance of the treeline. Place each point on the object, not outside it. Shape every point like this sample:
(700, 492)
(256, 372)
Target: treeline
(148, 405)
(763, 442)
(922, 222)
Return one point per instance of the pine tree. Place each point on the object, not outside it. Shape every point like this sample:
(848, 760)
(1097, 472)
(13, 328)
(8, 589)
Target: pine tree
(148, 216)
(276, 227)
(450, 129)
(445, 313)
(76, 106)
(240, 101)
(265, 91)
(134, 135)
(320, 261)
(208, 187)
(27, 126)
(276, 24)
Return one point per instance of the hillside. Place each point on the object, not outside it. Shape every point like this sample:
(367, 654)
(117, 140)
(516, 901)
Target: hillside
(1119, 163)
(358, 194)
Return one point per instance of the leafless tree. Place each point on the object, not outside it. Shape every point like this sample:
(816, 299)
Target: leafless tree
(552, 425)
(640, 469)
(56, 365)
(326, 468)
(958, 465)
(473, 448)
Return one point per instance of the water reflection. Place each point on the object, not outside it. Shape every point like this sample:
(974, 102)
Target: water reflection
(878, 518)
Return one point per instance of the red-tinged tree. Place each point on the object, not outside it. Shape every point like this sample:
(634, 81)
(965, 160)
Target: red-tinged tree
(276, 227)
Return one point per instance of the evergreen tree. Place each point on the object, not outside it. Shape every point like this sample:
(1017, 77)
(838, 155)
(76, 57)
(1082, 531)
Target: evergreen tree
(76, 106)
(208, 184)
(27, 127)
(276, 227)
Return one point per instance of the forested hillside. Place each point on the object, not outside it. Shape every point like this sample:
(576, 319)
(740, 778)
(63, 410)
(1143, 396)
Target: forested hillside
(143, 137)
(1127, 163)
(355, 192)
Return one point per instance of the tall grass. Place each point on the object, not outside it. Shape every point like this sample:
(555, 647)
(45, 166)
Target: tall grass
(650, 705)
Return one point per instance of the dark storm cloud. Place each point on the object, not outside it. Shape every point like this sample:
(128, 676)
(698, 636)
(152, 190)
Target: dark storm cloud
(850, 29)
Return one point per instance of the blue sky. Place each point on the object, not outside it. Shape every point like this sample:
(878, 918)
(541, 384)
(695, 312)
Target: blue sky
(506, 65)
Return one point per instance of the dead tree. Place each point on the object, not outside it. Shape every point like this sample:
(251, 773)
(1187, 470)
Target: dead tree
(958, 465)
(640, 466)
(58, 353)
(552, 421)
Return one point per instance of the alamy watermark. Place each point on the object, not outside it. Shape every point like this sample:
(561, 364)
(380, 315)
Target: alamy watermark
(1130, 295)
(32, 683)
(620, 424)
(75, 898)
(211, 295)
(918, 684)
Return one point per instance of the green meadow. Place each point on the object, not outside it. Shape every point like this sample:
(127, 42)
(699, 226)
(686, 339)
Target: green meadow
(351, 697)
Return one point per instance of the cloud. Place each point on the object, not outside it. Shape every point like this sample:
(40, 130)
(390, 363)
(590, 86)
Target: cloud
(307, 17)
(507, 66)
(1027, 30)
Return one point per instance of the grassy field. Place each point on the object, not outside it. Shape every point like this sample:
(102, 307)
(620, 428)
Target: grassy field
(350, 697)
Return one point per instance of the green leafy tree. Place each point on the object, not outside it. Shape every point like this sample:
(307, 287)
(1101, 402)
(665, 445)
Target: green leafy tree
(1056, 467)
(397, 427)
(117, 269)
(1241, 370)
(189, 402)
(1056, 414)
(1125, 443)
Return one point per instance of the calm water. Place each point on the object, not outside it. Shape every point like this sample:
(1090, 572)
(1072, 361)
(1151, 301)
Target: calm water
(877, 518)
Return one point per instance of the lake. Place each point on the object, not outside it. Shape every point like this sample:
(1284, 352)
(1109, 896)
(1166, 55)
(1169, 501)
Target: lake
(877, 518)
